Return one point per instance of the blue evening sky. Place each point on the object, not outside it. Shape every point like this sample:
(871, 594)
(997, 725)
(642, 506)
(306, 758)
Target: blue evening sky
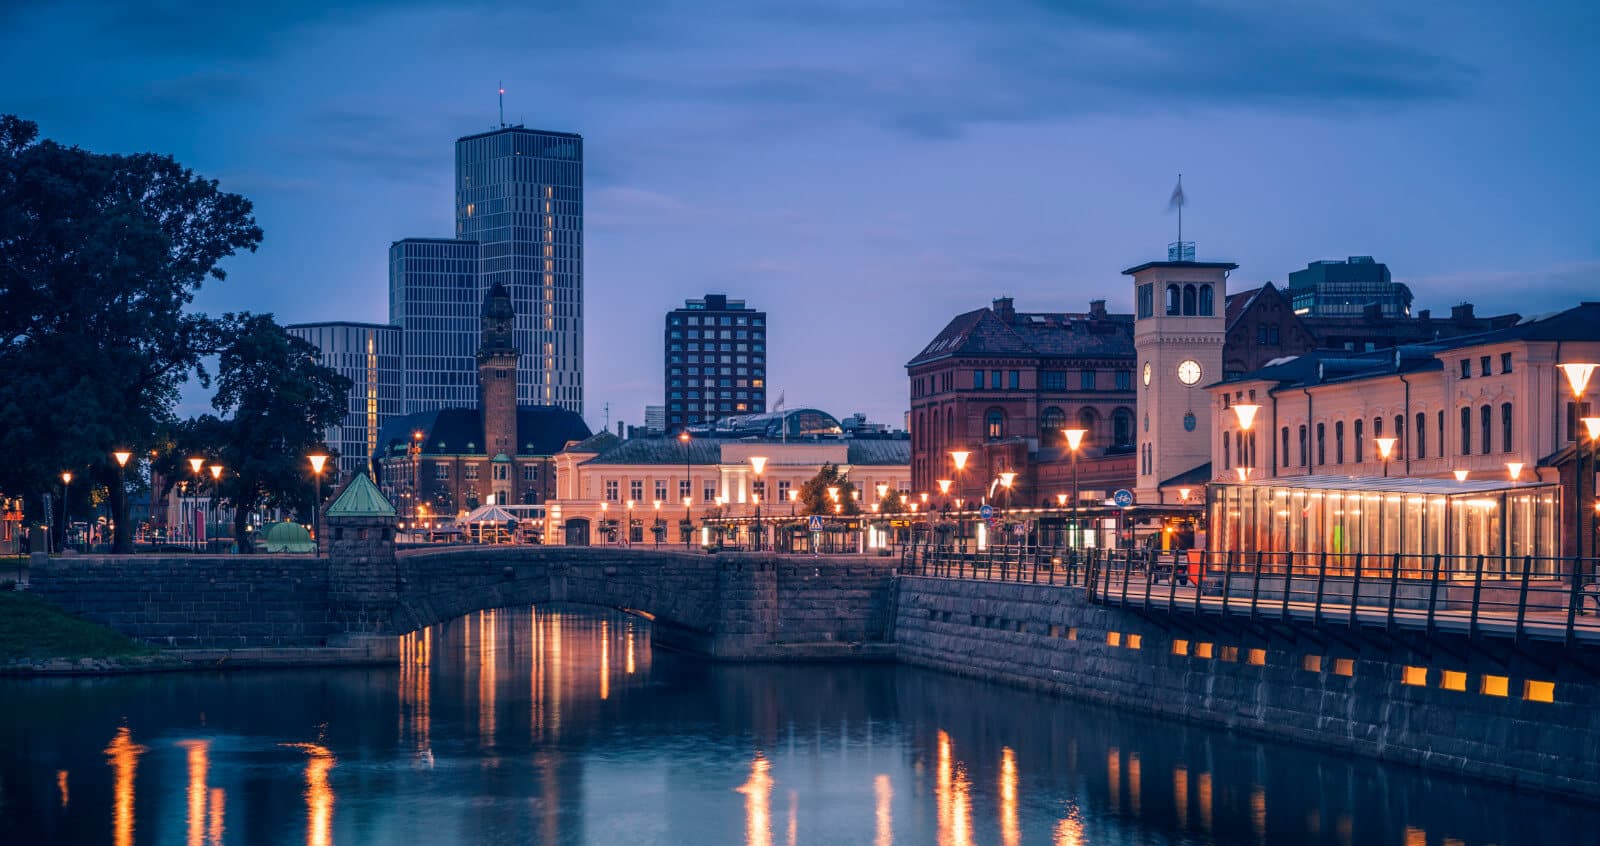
(863, 171)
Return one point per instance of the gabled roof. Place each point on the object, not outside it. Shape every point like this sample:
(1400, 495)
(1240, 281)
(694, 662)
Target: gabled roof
(361, 498)
(541, 430)
(1064, 334)
(664, 451)
(598, 442)
(889, 452)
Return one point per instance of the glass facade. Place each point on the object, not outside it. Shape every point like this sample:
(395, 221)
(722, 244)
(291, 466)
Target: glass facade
(519, 195)
(436, 296)
(369, 356)
(1413, 518)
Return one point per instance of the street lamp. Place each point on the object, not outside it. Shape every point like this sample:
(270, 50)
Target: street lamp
(66, 513)
(1514, 471)
(317, 459)
(195, 466)
(416, 471)
(1246, 412)
(1385, 449)
(627, 532)
(690, 529)
(1578, 374)
(757, 463)
(1006, 478)
(122, 456)
(1461, 475)
(1074, 443)
(794, 496)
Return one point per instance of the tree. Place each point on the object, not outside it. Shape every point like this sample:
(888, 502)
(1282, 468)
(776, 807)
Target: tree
(278, 401)
(814, 493)
(99, 257)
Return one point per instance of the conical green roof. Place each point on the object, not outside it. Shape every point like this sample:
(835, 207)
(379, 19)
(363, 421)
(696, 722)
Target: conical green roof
(361, 498)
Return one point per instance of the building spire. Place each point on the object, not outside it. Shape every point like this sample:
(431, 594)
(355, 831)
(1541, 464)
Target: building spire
(503, 120)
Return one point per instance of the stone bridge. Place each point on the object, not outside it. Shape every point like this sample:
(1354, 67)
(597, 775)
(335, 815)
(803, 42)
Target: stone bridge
(364, 592)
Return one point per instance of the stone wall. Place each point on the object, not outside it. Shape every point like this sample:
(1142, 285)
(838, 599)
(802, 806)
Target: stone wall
(201, 601)
(1360, 691)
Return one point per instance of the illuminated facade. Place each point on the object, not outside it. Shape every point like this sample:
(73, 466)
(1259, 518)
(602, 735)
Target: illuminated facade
(368, 354)
(716, 361)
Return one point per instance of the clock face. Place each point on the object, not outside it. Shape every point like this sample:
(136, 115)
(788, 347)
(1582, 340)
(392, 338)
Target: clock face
(1189, 371)
(1147, 374)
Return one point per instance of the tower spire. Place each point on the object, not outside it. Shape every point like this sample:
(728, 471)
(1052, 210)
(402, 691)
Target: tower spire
(503, 114)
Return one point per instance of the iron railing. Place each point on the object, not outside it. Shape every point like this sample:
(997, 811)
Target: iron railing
(1527, 596)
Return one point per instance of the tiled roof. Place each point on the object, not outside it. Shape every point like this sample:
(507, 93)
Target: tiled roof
(1062, 334)
(541, 430)
(360, 498)
(598, 442)
(865, 451)
(880, 452)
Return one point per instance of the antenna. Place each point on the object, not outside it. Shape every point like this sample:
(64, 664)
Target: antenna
(503, 125)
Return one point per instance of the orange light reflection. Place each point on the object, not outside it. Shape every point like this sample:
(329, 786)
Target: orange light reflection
(124, 758)
(1010, 832)
(199, 763)
(757, 792)
(885, 793)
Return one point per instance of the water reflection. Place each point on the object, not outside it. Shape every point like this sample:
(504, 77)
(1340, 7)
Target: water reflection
(526, 725)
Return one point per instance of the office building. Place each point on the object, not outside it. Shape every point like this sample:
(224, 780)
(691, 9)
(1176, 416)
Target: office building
(368, 354)
(434, 296)
(519, 194)
(1332, 288)
(716, 361)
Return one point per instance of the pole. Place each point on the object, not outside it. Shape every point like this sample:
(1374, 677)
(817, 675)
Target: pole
(316, 512)
(1075, 538)
(66, 513)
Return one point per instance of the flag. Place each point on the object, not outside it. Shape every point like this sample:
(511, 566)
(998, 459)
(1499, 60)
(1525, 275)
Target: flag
(779, 404)
(1177, 196)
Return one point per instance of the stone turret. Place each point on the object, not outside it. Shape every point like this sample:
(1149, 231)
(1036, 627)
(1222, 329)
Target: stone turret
(363, 576)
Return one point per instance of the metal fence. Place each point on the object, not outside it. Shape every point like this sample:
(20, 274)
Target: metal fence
(1539, 597)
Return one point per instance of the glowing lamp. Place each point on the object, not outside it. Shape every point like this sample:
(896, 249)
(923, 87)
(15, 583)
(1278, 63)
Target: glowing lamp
(1592, 425)
(1385, 447)
(1246, 412)
(317, 461)
(1007, 478)
(1578, 374)
(122, 457)
(960, 457)
(216, 472)
(196, 463)
(1514, 469)
(758, 463)
(1461, 475)
(1074, 437)
(944, 486)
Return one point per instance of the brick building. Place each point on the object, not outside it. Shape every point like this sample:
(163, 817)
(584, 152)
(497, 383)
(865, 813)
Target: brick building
(455, 459)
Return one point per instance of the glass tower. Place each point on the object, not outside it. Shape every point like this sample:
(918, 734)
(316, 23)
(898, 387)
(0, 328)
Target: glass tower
(368, 354)
(716, 360)
(435, 296)
(519, 196)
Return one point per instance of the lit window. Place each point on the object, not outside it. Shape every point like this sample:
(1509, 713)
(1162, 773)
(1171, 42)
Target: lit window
(1202, 650)
(1135, 641)
(1539, 691)
(1495, 686)
(1114, 638)
(1414, 676)
(1180, 647)
(1258, 657)
(1344, 666)
(1072, 633)
(1229, 653)
(1311, 663)
(1453, 680)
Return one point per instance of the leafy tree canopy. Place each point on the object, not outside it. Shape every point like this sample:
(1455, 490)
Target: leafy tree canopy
(814, 496)
(99, 257)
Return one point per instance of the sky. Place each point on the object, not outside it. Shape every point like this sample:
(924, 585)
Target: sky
(862, 171)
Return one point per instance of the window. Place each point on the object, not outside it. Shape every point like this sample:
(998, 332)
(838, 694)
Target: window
(1358, 443)
(1174, 300)
(471, 473)
(1180, 646)
(1494, 685)
(1124, 380)
(1261, 334)
(1285, 450)
(977, 380)
(1206, 301)
(1086, 380)
(1422, 435)
(613, 490)
(1485, 420)
(783, 490)
(1453, 680)
(528, 472)
(1483, 365)
(1344, 667)
(1322, 443)
(1189, 298)
(1257, 657)
(441, 470)
(1505, 362)
(1466, 431)
(1147, 299)
(1014, 379)
(994, 380)
(636, 490)
(1505, 427)
(1414, 676)
(1538, 691)
(994, 424)
(1122, 429)
(1466, 368)
(709, 493)
(1053, 380)
(1304, 447)
(661, 489)
(683, 489)
(1338, 442)
(1273, 338)
(1400, 436)
(1051, 422)
(1441, 433)
(1311, 663)
(1227, 452)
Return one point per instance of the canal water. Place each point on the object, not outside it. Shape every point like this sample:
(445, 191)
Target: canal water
(565, 725)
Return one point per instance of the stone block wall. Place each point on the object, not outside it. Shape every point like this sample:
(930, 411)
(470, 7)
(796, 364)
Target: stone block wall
(840, 599)
(1360, 691)
(212, 601)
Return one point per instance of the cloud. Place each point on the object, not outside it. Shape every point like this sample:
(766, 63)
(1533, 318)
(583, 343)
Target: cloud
(1531, 291)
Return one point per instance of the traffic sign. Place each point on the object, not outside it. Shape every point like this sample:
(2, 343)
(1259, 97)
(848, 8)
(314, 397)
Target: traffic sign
(816, 523)
(1123, 498)
(986, 512)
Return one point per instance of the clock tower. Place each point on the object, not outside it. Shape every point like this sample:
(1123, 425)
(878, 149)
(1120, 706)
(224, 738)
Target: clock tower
(1178, 331)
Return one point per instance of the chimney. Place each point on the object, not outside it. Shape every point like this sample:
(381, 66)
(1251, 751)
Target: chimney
(1004, 309)
(1097, 309)
(1461, 313)
(1425, 315)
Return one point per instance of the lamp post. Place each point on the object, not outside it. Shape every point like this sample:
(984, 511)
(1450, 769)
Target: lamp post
(690, 530)
(1461, 475)
(604, 509)
(1386, 449)
(121, 456)
(757, 463)
(66, 508)
(794, 496)
(1006, 478)
(317, 459)
(683, 438)
(195, 465)
(1074, 444)
(1246, 412)
(216, 493)
(1592, 426)
(658, 528)
(1578, 374)
(416, 474)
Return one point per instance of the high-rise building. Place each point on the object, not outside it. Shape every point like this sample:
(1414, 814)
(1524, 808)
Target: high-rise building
(1348, 288)
(519, 194)
(368, 354)
(716, 361)
(434, 296)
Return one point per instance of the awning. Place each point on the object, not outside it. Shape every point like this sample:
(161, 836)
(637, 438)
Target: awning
(488, 514)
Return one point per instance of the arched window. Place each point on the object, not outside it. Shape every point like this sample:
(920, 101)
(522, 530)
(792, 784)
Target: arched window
(1189, 300)
(950, 424)
(1284, 453)
(1206, 304)
(1305, 447)
(1505, 427)
(1174, 300)
(1400, 436)
(1338, 442)
(1322, 444)
(994, 424)
(1466, 430)
(1227, 451)
(1359, 443)
(1422, 435)
(1122, 428)
(1051, 422)
(1485, 422)
(1087, 420)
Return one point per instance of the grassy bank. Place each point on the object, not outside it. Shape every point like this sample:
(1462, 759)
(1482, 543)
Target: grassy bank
(32, 629)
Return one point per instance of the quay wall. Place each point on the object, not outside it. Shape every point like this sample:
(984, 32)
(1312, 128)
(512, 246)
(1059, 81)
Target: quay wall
(1359, 691)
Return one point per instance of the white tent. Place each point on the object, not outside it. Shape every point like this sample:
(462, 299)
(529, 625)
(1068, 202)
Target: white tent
(489, 524)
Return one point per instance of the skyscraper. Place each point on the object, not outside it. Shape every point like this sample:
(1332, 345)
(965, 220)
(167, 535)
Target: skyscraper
(368, 354)
(716, 361)
(435, 292)
(519, 194)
